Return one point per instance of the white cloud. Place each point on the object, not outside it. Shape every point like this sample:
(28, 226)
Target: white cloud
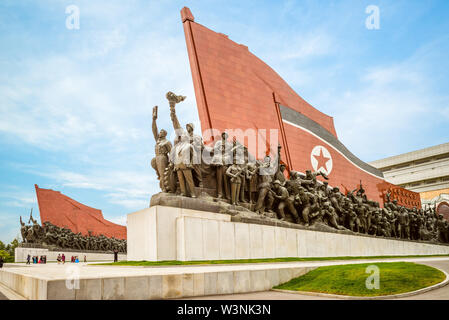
(129, 189)
(121, 220)
(69, 100)
(10, 226)
(383, 76)
(13, 197)
(102, 42)
(389, 110)
(445, 111)
(311, 45)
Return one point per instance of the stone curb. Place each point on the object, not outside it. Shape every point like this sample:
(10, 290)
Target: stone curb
(393, 296)
(10, 294)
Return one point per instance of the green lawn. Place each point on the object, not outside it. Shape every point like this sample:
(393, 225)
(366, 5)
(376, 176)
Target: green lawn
(176, 262)
(394, 278)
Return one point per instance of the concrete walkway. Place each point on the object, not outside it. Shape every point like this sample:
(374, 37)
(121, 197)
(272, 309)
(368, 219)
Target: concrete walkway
(54, 271)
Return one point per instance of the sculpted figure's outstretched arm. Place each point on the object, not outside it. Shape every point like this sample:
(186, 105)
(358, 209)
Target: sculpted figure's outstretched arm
(154, 126)
(175, 120)
(173, 99)
(320, 173)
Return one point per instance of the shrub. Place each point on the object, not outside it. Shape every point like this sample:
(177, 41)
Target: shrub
(6, 256)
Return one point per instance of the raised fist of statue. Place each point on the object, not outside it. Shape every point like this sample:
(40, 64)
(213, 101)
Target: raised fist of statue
(173, 98)
(155, 113)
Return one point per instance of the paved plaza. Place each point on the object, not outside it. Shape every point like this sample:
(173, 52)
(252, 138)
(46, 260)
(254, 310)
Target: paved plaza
(54, 271)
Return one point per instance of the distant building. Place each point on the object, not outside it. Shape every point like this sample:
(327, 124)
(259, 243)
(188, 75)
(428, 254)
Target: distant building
(425, 171)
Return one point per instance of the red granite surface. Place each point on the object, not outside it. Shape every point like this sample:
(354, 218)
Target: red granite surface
(233, 86)
(344, 174)
(65, 212)
(443, 208)
(235, 89)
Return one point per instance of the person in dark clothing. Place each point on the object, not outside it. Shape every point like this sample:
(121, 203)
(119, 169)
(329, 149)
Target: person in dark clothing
(115, 255)
(1, 262)
(28, 259)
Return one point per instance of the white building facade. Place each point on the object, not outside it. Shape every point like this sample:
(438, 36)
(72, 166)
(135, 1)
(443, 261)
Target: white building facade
(425, 171)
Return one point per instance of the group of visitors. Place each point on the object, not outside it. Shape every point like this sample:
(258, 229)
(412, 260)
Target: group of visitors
(73, 259)
(61, 258)
(36, 259)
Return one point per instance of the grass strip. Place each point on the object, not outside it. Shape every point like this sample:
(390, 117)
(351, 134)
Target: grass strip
(267, 260)
(350, 280)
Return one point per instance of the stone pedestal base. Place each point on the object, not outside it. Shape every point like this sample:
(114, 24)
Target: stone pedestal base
(167, 233)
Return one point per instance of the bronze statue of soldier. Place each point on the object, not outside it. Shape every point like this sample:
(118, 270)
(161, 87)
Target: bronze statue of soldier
(265, 198)
(221, 160)
(330, 214)
(162, 150)
(280, 174)
(23, 230)
(285, 200)
(306, 200)
(251, 181)
(197, 142)
(403, 224)
(234, 172)
(183, 151)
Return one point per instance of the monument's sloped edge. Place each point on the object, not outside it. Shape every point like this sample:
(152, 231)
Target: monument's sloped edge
(66, 212)
(236, 90)
(223, 70)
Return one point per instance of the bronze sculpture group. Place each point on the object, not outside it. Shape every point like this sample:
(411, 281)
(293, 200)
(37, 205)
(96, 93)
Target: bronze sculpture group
(263, 188)
(54, 237)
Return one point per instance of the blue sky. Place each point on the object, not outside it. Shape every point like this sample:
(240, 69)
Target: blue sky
(75, 105)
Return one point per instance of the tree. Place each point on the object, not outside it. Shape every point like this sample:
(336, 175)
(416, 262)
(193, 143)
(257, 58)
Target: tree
(6, 256)
(2, 246)
(12, 246)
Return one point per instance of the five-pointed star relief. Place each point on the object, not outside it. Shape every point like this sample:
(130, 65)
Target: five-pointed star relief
(322, 160)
